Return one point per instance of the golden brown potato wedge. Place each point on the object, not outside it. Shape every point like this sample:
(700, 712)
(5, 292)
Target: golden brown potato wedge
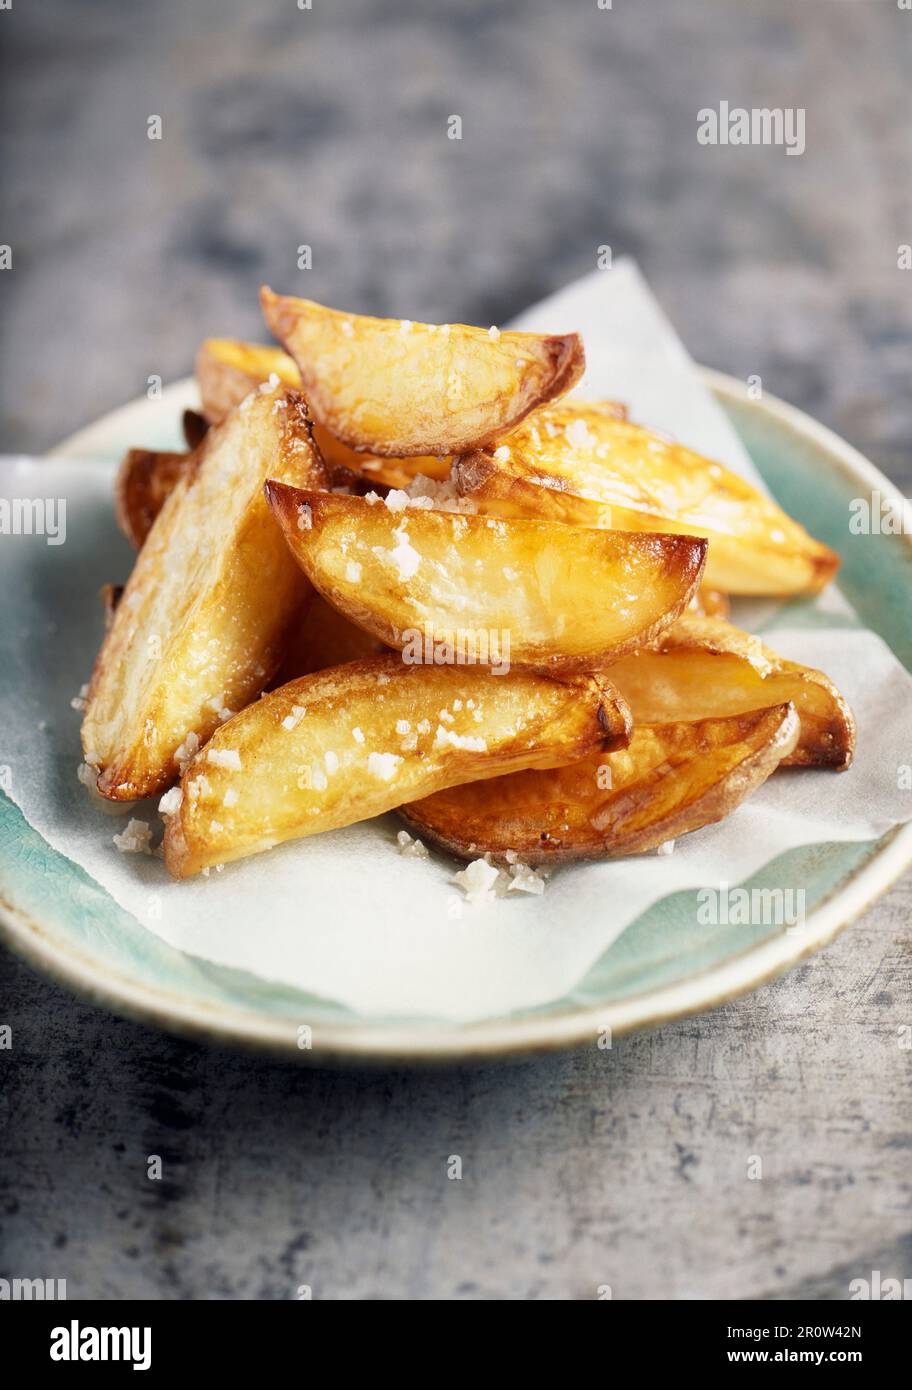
(671, 779)
(227, 370)
(323, 637)
(343, 745)
(200, 627)
(530, 593)
(705, 668)
(396, 388)
(144, 479)
(594, 470)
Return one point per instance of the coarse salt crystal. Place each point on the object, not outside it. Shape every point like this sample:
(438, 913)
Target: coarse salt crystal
(170, 802)
(187, 751)
(477, 881)
(305, 517)
(383, 766)
(136, 839)
(224, 757)
(493, 333)
(523, 879)
(467, 742)
(357, 735)
(404, 555)
(409, 848)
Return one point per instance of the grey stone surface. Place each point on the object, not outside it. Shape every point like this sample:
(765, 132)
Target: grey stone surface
(328, 127)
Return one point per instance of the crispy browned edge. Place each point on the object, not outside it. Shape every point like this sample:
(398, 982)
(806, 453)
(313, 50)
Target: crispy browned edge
(713, 805)
(194, 427)
(685, 554)
(144, 480)
(565, 353)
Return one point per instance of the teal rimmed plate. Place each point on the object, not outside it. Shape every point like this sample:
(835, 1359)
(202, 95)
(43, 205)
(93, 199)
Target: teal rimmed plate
(662, 967)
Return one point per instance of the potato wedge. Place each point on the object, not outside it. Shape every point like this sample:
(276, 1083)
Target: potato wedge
(531, 593)
(323, 637)
(200, 627)
(573, 463)
(144, 480)
(228, 370)
(343, 745)
(705, 668)
(395, 388)
(671, 779)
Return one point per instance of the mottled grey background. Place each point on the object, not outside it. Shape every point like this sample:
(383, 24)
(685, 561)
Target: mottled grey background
(329, 127)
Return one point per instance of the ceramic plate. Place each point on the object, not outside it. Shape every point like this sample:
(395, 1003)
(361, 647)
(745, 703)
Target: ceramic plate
(662, 967)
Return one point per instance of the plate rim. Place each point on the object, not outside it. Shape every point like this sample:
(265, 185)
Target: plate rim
(505, 1037)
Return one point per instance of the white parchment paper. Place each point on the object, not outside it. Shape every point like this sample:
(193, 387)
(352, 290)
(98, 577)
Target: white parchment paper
(343, 915)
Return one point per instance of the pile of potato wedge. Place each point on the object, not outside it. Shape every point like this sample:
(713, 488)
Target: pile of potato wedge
(398, 567)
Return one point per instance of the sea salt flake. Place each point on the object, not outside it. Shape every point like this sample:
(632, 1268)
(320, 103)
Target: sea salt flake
(383, 766)
(170, 802)
(136, 839)
(477, 881)
(224, 757)
(411, 849)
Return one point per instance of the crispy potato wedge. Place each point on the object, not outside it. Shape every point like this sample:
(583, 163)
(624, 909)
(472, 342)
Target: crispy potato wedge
(227, 370)
(705, 668)
(531, 593)
(594, 470)
(671, 779)
(343, 745)
(395, 388)
(201, 623)
(144, 479)
(323, 637)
